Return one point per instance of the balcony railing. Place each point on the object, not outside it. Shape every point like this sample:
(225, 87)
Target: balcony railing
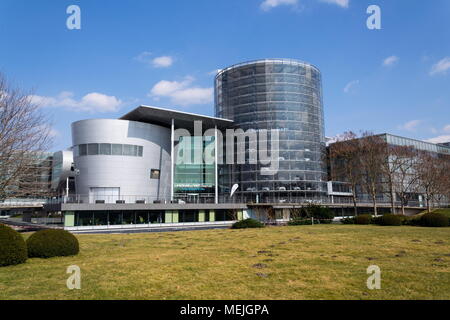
(226, 199)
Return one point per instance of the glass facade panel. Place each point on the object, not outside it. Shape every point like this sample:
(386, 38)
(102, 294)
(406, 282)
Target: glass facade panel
(92, 149)
(193, 174)
(105, 148)
(285, 95)
(117, 149)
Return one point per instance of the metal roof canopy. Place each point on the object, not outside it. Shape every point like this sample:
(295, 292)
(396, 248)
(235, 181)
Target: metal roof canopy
(185, 120)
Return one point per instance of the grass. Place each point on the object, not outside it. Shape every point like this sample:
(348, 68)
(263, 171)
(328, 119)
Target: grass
(298, 262)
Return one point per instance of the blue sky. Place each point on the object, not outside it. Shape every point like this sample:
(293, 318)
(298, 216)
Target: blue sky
(164, 53)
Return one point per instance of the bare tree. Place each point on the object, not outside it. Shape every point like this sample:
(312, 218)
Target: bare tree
(429, 169)
(373, 156)
(399, 174)
(405, 178)
(345, 163)
(24, 137)
(443, 179)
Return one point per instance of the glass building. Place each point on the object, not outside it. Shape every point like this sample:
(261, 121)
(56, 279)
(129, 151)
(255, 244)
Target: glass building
(283, 95)
(416, 144)
(194, 177)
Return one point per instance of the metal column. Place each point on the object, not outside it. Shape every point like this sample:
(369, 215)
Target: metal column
(216, 165)
(172, 158)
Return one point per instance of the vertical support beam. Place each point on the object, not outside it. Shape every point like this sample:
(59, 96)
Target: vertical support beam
(216, 165)
(172, 158)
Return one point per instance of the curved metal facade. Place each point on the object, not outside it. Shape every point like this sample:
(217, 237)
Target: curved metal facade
(276, 94)
(122, 157)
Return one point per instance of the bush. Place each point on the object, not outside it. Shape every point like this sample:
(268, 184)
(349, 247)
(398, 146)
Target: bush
(434, 220)
(321, 213)
(389, 220)
(312, 210)
(324, 221)
(52, 243)
(363, 219)
(13, 249)
(247, 223)
(411, 221)
(348, 220)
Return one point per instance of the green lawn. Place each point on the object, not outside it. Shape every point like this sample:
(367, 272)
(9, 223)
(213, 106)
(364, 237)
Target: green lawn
(303, 262)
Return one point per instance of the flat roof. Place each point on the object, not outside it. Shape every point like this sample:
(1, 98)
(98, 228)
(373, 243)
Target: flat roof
(270, 60)
(163, 117)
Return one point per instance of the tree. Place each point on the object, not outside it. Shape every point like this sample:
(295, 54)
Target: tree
(373, 155)
(429, 168)
(399, 174)
(24, 137)
(443, 179)
(345, 163)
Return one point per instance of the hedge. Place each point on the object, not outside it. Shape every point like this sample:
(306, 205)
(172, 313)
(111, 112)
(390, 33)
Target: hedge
(389, 220)
(248, 223)
(363, 219)
(434, 220)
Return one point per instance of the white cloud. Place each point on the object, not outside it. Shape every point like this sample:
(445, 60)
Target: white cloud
(182, 92)
(441, 67)
(410, 125)
(341, 3)
(350, 86)
(267, 5)
(390, 61)
(92, 102)
(167, 88)
(447, 128)
(439, 139)
(146, 57)
(162, 62)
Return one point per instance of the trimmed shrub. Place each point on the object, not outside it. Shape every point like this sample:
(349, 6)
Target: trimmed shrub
(324, 221)
(52, 243)
(389, 220)
(348, 220)
(363, 219)
(13, 249)
(247, 223)
(321, 213)
(434, 220)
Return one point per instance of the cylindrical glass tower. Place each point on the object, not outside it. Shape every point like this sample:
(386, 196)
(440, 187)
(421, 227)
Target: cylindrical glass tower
(280, 94)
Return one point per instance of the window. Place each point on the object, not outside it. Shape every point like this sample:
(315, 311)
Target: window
(105, 149)
(128, 150)
(82, 149)
(117, 149)
(108, 149)
(92, 149)
(155, 174)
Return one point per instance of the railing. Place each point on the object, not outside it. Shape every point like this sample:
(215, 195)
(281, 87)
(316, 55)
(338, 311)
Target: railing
(22, 203)
(226, 199)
